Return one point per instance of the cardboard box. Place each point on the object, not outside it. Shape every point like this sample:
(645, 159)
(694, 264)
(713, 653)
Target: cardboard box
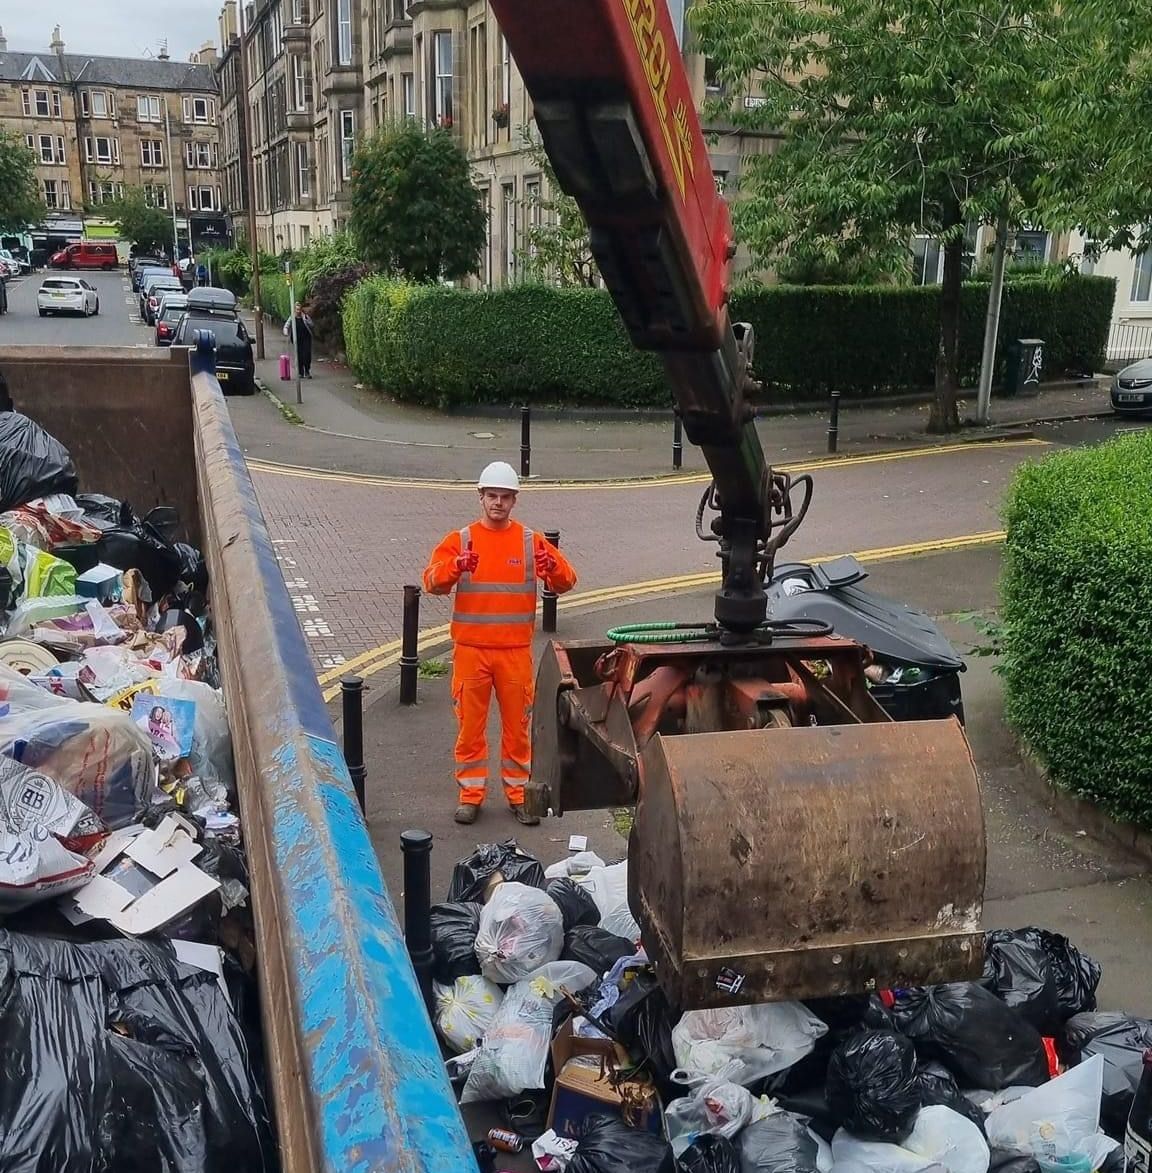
(584, 1069)
(144, 879)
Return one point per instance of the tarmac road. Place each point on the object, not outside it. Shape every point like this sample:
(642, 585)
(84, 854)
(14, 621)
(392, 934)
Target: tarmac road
(117, 324)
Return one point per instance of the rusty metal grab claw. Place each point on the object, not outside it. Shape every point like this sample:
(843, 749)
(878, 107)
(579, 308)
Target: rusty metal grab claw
(790, 840)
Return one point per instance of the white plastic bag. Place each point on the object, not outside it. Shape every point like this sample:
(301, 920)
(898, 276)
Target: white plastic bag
(211, 756)
(94, 752)
(849, 1153)
(1059, 1119)
(573, 865)
(465, 1009)
(521, 929)
(941, 1139)
(948, 1139)
(514, 1052)
(35, 866)
(757, 1040)
(715, 1106)
(608, 887)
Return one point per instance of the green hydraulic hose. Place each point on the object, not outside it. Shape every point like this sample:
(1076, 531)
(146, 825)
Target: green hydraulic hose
(658, 633)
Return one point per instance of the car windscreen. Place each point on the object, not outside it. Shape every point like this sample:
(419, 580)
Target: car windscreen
(70, 285)
(157, 287)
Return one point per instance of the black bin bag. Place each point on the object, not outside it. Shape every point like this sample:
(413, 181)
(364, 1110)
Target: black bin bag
(1040, 974)
(1122, 1041)
(596, 947)
(575, 903)
(118, 1056)
(709, 1153)
(608, 1145)
(454, 929)
(872, 1087)
(32, 463)
(980, 1039)
(471, 875)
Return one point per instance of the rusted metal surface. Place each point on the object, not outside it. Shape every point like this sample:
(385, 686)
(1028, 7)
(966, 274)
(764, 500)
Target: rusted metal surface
(809, 861)
(790, 838)
(129, 438)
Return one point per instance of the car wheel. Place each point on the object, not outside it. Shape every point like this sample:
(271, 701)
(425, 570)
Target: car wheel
(97, 309)
(42, 313)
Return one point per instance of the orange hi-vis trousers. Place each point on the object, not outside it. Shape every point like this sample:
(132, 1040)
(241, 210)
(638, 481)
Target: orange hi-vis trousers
(476, 674)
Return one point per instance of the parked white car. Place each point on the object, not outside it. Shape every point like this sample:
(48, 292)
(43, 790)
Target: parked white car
(67, 295)
(17, 264)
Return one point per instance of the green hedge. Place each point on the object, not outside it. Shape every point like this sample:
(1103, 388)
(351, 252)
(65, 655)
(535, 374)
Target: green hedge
(536, 343)
(1077, 618)
(447, 346)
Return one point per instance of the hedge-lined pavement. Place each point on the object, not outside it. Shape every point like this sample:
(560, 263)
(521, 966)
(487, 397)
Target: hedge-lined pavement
(402, 440)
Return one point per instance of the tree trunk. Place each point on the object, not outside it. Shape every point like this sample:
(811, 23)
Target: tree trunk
(945, 416)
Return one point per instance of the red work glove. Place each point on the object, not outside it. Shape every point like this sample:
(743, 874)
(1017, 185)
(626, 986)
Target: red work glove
(545, 563)
(467, 562)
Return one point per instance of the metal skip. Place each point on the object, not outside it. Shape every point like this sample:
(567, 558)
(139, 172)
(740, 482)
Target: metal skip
(808, 862)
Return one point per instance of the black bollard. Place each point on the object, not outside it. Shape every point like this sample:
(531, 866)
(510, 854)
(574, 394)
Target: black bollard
(525, 441)
(409, 659)
(834, 421)
(352, 701)
(677, 442)
(417, 849)
(548, 598)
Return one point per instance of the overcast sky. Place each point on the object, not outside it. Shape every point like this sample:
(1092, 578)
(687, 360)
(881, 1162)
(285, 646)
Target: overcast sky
(114, 28)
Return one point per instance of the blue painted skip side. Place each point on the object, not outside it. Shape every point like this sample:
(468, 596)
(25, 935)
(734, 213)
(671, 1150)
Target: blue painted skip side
(377, 1079)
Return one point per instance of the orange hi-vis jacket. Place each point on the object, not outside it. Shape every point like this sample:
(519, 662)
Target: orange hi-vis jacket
(495, 607)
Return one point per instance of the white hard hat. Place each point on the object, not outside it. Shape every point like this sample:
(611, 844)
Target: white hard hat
(499, 475)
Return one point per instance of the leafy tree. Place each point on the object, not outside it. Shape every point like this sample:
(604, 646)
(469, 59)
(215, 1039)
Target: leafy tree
(909, 116)
(414, 210)
(136, 220)
(557, 249)
(20, 203)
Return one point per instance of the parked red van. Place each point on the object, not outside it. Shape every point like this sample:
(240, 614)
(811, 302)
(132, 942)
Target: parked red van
(86, 254)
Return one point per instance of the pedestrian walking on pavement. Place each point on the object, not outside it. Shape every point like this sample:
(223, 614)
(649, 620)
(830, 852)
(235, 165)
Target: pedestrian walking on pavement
(304, 330)
(494, 565)
(201, 274)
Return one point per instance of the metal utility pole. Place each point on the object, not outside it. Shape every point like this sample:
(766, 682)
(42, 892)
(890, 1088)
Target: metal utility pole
(172, 186)
(992, 321)
(250, 164)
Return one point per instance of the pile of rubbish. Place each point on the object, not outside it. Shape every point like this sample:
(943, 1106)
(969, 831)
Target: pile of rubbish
(126, 940)
(553, 1018)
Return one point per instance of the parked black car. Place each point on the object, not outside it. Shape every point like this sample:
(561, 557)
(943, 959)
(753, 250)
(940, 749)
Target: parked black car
(235, 365)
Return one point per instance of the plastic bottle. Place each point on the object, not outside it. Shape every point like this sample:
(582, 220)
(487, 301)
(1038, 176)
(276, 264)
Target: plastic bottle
(1138, 1134)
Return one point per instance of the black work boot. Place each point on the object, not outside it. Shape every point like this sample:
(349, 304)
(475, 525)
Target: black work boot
(522, 815)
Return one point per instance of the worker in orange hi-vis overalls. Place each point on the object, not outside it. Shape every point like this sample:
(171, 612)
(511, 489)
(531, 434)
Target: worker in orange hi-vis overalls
(494, 565)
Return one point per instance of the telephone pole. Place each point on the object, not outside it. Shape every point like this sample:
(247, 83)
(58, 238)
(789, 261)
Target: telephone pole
(246, 150)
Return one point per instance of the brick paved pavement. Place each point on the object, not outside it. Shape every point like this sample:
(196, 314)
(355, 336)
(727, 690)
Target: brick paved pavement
(347, 548)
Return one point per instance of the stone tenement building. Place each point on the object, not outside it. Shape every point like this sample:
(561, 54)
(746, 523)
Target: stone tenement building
(99, 125)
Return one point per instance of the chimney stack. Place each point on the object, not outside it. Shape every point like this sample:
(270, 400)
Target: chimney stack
(3, 42)
(57, 45)
(163, 54)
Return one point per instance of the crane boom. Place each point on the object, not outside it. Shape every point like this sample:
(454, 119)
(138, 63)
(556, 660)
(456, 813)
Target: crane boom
(616, 117)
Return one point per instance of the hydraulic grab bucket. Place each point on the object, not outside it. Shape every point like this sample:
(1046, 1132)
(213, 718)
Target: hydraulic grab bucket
(790, 840)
